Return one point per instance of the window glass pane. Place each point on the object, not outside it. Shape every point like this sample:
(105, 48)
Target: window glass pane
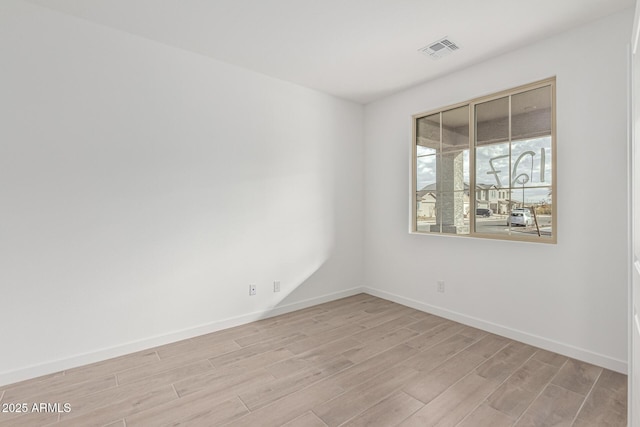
(428, 132)
(455, 129)
(424, 151)
(453, 171)
(492, 165)
(465, 170)
(491, 216)
(426, 212)
(442, 179)
(512, 170)
(492, 121)
(531, 113)
(531, 162)
(522, 219)
(453, 208)
(426, 173)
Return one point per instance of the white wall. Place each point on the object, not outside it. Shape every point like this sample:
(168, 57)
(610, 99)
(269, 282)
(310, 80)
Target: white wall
(569, 297)
(142, 188)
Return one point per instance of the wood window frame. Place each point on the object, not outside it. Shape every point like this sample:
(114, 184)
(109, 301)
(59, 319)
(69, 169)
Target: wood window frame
(472, 223)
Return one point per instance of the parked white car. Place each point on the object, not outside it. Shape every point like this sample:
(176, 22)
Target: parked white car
(520, 216)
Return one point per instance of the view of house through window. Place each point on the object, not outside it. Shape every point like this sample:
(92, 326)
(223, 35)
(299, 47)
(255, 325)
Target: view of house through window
(502, 147)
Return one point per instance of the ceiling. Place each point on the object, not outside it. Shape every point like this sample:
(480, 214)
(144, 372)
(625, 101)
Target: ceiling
(359, 50)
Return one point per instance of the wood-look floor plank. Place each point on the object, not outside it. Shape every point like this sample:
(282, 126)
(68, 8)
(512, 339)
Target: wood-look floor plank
(577, 376)
(489, 345)
(307, 343)
(435, 335)
(236, 356)
(556, 406)
(119, 423)
(196, 409)
(377, 307)
(454, 404)
(426, 386)
(486, 416)
(43, 381)
(432, 357)
(420, 315)
(289, 407)
(390, 314)
(428, 322)
(227, 380)
(515, 395)
(370, 307)
(389, 412)
(179, 373)
(112, 366)
(379, 331)
(309, 326)
(506, 361)
(474, 333)
(263, 359)
(348, 308)
(308, 419)
(361, 372)
(311, 358)
(197, 348)
(364, 351)
(606, 405)
(353, 317)
(60, 391)
(550, 358)
(214, 340)
(360, 398)
(28, 419)
(276, 389)
(63, 393)
(85, 404)
(116, 409)
(175, 365)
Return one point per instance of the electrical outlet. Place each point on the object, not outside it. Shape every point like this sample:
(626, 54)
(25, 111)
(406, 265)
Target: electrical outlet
(252, 289)
(441, 286)
(276, 286)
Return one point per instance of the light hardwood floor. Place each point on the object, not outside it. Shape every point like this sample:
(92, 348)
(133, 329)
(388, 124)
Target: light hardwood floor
(358, 361)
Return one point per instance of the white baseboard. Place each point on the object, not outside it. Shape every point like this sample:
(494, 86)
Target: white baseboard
(534, 340)
(35, 371)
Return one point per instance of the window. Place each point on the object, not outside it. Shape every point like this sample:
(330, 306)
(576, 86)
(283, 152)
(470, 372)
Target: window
(503, 147)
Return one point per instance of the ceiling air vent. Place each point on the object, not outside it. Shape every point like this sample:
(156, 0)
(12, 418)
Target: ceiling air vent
(442, 47)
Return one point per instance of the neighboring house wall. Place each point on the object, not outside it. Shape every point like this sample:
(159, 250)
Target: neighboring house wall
(569, 297)
(427, 206)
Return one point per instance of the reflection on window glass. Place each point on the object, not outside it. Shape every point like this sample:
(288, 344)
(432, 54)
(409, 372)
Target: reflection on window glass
(492, 165)
(492, 121)
(501, 189)
(424, 151)
(442, 172)
(426, 212)
(531, 162)
(531, 211)
(531, 113)
(455, 129)
(426, 173)
(428, 131)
